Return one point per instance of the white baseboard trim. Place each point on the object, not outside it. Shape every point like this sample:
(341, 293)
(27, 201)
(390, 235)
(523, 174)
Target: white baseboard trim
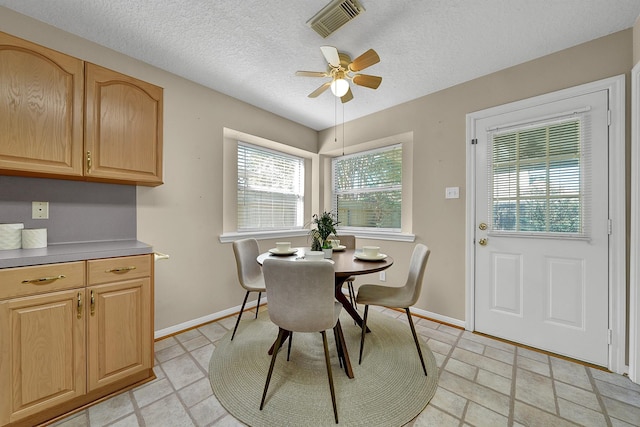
(233, 310)
(204, 319)
(439, 317)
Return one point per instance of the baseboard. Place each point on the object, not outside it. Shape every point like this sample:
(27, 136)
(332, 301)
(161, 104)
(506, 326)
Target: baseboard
(233, 310)
(172, 330)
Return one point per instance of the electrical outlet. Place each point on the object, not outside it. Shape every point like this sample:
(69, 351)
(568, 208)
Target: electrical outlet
(383, 276)
(39, 210)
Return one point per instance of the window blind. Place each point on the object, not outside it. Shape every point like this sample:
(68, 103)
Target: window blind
(539, 175)
(367, 188)
(270, 189)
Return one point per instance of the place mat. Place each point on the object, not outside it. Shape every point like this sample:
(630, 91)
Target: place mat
(389, 388)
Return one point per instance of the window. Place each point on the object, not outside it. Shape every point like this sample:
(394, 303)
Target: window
(367, 188)
(538, 175)
(270, 189)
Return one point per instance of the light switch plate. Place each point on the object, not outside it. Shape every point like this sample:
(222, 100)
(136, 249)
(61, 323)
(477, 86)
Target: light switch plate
(452, 193)
(39, 210)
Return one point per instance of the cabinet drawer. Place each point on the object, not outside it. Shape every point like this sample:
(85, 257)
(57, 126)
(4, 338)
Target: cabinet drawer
(22, 281)
(116, 269)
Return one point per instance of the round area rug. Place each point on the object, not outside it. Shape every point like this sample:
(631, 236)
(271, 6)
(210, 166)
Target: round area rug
(388, 389)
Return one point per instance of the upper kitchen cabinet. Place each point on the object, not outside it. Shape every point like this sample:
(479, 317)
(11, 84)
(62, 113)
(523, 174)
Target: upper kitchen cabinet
(123, 127)
(41, 101)
(61, 117)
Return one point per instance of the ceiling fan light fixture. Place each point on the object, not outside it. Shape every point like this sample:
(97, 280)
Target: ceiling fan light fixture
(339, 87)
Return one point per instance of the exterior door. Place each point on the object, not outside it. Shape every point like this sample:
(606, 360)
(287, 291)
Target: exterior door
(542, 228)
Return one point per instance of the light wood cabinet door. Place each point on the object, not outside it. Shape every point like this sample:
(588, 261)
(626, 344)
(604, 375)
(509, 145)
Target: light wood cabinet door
(119, 331)
(123, 127)
(42, 352)
(41, 110)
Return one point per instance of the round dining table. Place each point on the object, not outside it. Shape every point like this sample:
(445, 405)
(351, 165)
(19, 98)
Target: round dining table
(345, 265)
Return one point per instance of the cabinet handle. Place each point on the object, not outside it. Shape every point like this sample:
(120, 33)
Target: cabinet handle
(79, 305)
(93, 304)
(88, 161)
(44, 279)
(120, 269)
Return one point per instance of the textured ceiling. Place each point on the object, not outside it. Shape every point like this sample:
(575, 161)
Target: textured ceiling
(250, 49)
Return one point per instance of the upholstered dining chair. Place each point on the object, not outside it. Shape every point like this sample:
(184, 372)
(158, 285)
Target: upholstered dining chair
(397, 297)
(301, 299)
(349, 242)
(249, 272)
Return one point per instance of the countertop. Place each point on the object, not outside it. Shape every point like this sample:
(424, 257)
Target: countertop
(67, 252)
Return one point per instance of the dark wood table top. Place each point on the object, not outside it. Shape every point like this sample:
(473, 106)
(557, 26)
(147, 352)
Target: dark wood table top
(345, 263)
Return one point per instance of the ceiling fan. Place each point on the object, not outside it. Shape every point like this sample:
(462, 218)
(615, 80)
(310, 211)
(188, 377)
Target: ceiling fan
(341, 69)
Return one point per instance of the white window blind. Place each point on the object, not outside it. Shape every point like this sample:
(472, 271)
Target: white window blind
(539, 176)
(270, 189)
(367, 188)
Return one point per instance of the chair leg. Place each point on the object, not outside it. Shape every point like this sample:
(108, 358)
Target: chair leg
(327, 360)
(352, 295)
(364, 331)
(338, 348)
(415, 338)
(289, 348)
(281, 334)
(240, 315)
(258, 304)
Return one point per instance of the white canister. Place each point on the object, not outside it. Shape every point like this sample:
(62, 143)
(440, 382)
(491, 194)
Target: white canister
(11, 236)
(33, 238)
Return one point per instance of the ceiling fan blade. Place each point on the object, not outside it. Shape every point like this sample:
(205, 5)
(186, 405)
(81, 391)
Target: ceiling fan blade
(367, 81)
(347, 96)
(331, 55)
(321, 89)
(365, 60)
(312, 74)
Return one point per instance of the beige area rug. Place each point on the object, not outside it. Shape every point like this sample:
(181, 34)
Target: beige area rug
(388, 389)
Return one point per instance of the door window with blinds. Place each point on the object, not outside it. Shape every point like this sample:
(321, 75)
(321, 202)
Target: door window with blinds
(270, 189)
(539, 179)
(367, 189)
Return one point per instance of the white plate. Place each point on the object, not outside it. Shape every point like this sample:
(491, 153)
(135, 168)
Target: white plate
(276, 251)
(339, 248)
(362, 256)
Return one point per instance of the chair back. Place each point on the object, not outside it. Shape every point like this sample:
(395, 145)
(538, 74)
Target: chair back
(348, 241)
(417, 266)
(300, 294)
(249, 271)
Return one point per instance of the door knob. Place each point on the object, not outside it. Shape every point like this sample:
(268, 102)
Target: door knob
(483, 242)
(482, 226)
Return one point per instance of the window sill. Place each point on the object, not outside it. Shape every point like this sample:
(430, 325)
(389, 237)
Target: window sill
(363, 234)
(261, 235)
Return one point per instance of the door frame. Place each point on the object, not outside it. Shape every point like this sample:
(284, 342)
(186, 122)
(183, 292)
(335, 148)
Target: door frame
(617, 205)
(634, 267)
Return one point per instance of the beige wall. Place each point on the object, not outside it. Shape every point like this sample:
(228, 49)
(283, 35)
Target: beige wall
(438, 125)
(184, 216)
(636, 41)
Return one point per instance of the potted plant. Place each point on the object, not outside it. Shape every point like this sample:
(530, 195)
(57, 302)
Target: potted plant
(323, 226)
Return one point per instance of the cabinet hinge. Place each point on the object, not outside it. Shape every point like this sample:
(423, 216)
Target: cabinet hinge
(608, 117)
(474, 141)
(609, 227)
(609, 336)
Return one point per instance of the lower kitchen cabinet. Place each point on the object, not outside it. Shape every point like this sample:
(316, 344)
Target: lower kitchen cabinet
(61, 349)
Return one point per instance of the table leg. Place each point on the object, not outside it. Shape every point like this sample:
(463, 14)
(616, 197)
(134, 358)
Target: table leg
(286, 335)
(346, 304)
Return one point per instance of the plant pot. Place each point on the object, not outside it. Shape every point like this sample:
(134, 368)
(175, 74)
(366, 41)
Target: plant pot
(328, 253)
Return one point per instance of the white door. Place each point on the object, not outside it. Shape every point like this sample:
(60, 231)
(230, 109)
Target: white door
(541, 218)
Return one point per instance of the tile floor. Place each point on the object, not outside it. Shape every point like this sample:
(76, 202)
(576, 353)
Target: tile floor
(483, 382)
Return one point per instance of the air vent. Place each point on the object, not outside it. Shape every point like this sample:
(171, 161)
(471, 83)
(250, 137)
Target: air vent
(334, 15)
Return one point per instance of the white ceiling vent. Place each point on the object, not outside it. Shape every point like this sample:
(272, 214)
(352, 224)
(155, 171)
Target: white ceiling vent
(334, 15)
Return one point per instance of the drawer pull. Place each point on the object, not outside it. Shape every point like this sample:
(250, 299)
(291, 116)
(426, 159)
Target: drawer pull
(93, 304)
(120, 269)
(44, 279)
